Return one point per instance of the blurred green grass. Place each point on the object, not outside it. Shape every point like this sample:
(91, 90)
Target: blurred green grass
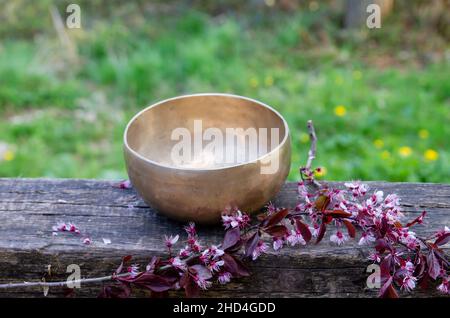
(64, 118)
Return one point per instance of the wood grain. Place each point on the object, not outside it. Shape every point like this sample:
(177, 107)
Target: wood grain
(30, 207)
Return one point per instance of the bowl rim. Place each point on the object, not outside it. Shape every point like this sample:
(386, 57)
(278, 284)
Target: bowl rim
(281, 144)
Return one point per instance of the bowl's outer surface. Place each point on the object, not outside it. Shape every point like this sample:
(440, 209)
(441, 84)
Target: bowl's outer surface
(200, 195)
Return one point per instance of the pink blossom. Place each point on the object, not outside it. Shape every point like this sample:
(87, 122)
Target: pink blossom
(213, 251)
(194, 244)
(408, 266)
(60, 226)
(190, 229)
(171, 240)
(224, 277)
(295, 238)
(391, 201)
(204, 258)
(214, 266)
(409, 238)
(177, 263)
(277, 244)
(375, 257)
(409, 283)
(87, 241)
(357, 188)
(444, 286)
(184, 252)
(366, 238)
(261, 248)
(238, 219)
(196, 247)
(315, 229)
(72, 228)
(133, 270)
(202, 283)
(375, 199)
(229, 221)
(302, 191)
(338, 238)
(271, 208)
(126, 184)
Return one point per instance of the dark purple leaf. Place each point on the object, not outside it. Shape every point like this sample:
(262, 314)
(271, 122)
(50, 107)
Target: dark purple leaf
(322, 202)
(190, 287)
(350, 228)
(303, 229)
(234, 266)
(151, 266)
(424, 281)
(443, 239)
(322, 230)
(201, 271)
(434, 268)
(439, 254)
(232, 236)
(338, 214)
(384, 226)
(420, 267)
(386, 266)
(390, 292)
(381, 245)
(277, 231)
(150, 281)
(385, 286)
(251, 244)
(276, 217)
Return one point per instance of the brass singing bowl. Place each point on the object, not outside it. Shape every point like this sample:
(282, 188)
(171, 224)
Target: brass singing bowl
(200, 188)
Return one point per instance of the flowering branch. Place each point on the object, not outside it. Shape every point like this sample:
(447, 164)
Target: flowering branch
(405, 259)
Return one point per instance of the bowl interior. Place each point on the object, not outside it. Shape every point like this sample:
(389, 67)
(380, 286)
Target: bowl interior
(205, 131)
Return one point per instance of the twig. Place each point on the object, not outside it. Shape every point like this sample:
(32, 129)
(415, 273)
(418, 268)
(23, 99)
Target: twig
(63, 283)
(313, 147)
(311, 154)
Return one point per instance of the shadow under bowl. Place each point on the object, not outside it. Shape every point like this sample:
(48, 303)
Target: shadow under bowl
(191, 157)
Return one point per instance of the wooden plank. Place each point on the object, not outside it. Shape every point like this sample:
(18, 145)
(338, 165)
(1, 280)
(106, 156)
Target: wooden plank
(30, 207)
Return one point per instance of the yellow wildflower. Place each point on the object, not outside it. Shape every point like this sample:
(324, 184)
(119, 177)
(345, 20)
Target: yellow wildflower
(254, 82)
(268, 81)
(8, 155)
(340, 110)
(423, 134)
(270, 3)
(431, 155)
(385, 155)
(320, 171)
(304, 138)
(378, 143)
(405, 151)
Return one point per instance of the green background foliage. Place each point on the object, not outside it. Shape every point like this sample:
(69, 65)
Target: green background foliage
(379, 98)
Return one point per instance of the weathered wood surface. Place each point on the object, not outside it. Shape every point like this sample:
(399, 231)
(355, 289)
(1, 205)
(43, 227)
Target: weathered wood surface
(30, 207)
